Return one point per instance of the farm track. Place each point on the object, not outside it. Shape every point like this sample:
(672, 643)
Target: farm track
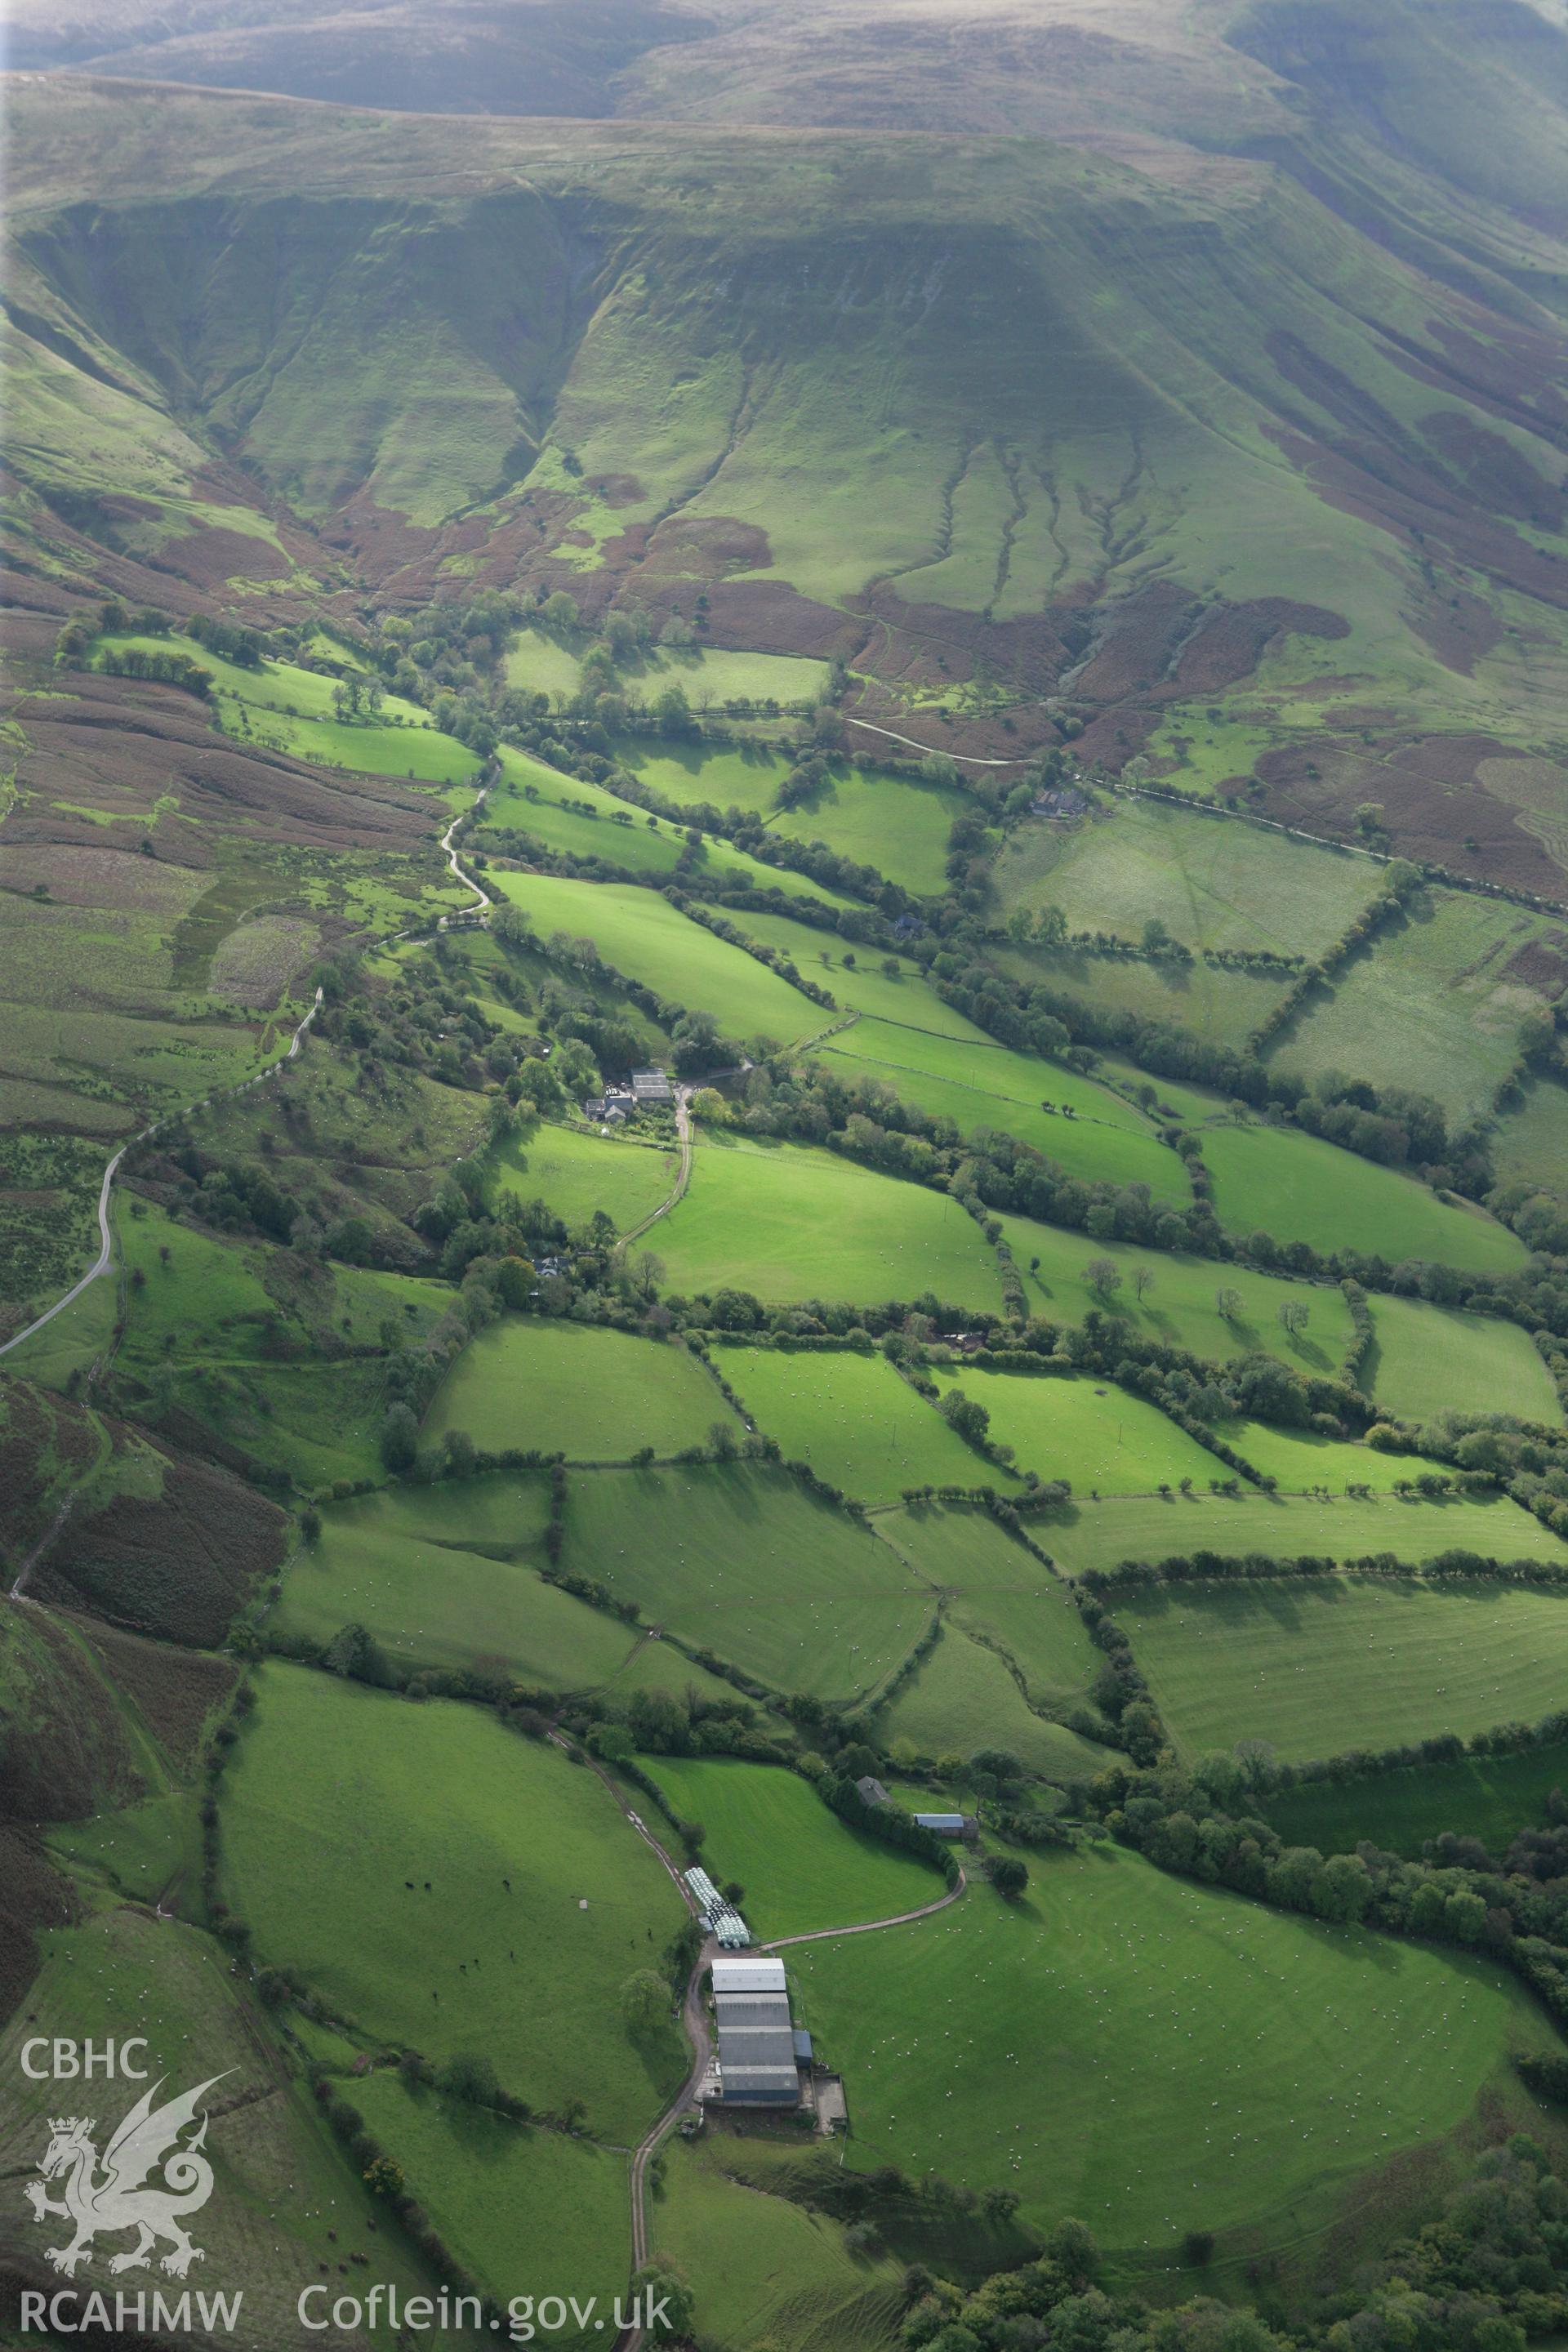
(106, 1236)
(964, 759)
(694, 2018)
(677, 1191)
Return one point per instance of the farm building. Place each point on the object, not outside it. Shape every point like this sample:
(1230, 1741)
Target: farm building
(757, 2062)
(613, 1107)
(650, 1088)
(871, 1791)
(721, 1918)
(946, 1824)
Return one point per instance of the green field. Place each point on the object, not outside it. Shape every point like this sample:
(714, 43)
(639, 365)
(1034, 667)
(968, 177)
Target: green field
(904, 998)
(642, 935)
(1212, 882)
(1000, 1592)
(288, 2202)
(1434, 1006)
(788, 1222)
(338, 1796)
(1181, 1304)
(1219, 1004)
(801, 1866)
(529, 1383)
(978, 1087)
(571, 813)
(745, 1562)
(1104, 1440)
(1098, 1535)
(963, 1696)
(1301, 1460)
(1428, 1361)
(1296, 1188)
(575, 1169)
(551, 662)
(525, 2211)
(1319, 1666)
(1155, 2057)
(852, 1418)
(1531, 1144)
(894, 824)
(768, 2271)
(1485, 1797)
(447, 1576)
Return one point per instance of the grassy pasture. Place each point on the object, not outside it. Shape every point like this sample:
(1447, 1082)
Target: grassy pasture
(649, 940)
(745, 1562)
(1155, 2057)
(852, 1418)
(788, 1222)
(1318, 1666)
(769, 2271)
(1103, 1439)
(287, 2204)
(1098, 1535)
(1531, 1144)
(1301, 1460)
(905, 999)
(963, 1696)
(339, 1795)
(1432, 1006)
(1426, 1360)
(570, 1388)
(575, 1170)
(1485, 1797)
(1105, 1141)
(551, 662)
(524, 2211)
(801, 1866)
(1212, 882)
(1219, 1005)
(1296, 1188)
(1181, 1307)
(569, 813)
(891, 822)
(456, 1588)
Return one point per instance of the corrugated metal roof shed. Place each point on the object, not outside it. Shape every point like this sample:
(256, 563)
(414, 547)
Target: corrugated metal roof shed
(753, 2009)
(757, 1975)
(945, 1824)
(755, 2049)
(803, 2050)
(762, 2086)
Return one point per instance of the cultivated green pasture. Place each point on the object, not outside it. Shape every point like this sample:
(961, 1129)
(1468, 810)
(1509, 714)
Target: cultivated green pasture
(595, 1395)
(338, 1796)
(551, 662)
(1101, 1438)
(906, 999)
(894, 824)
(1426, 1360)
(801, 1866)
(769, 2271)
(988, 1087)
(743, 1562)
(575, 1169)
(852, 1418)
(1002, 1595)
(571, 814)
(1531, 1144)
(1214, 882)
(1296, 1188)
(649, 940)
(1098, 1535)
(788, 1222)
(455, 1587)
(1181, 1306)
(1221, 1006)
(1485, 1797)
(1432, 1005)
(1301, 1460)
(525, 2211)
(963, 1696)
(287, 2203)
(1320, 1665)
(1156, 2057)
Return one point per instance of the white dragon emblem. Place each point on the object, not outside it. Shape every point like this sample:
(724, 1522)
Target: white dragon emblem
(115, 2198)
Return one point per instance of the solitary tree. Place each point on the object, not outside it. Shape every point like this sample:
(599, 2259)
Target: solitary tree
(645, 2000)
(1227, 1303)
(1143, 1281)
(1294, 1315)
(1102, 1276)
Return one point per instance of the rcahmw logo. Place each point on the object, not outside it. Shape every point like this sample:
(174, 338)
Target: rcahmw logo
(150, 2179)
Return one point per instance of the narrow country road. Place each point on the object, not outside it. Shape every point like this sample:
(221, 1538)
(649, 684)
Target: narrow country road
(964, 759)
(106, 1236)
(682, 1174)
(481, 896)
